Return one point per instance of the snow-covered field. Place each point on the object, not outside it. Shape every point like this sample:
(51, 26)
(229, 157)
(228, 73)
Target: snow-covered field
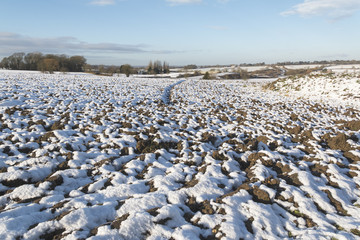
(355, 68)
(88, 157)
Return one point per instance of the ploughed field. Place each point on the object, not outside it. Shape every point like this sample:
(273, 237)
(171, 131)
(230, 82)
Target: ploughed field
(88, 157)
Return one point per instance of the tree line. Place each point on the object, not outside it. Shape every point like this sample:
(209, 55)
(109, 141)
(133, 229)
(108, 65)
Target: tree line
(323, 62)
(156, 67)
(45, 63)
(51, 62)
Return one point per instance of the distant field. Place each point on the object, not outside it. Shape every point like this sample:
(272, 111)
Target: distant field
(93, 157)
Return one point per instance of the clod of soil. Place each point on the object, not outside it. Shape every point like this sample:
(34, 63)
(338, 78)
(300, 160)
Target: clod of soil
(58, 206)
(163, 221)
(126, 125)
(294, 117)
(260, 195)
(208, 137)
(295, 130)
(293, 180)
(204, 207)
(55, 234)
(339, 208)
(339, 142)
(55, 181)
(153, 211)
(46, 137)
(13, 183)
(351, 157)
(150, 146)
(248, 225)
(353, 125)
(263, 139)
(219, 156)
(191, 183)
(57, 126)
(62, 166)
(317, 169)
(282, 168)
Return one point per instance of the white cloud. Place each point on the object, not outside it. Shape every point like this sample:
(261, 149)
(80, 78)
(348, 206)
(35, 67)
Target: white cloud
(103, 2)
(333, 9)
(183, 1)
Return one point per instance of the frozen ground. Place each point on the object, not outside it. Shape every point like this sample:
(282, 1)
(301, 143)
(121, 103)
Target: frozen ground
(86, 157)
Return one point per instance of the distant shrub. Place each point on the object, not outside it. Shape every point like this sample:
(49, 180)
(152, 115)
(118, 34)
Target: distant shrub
(208, 76)
(269, 72)
(239, 74)
(127, 69)
(186, 75)
(244, 74)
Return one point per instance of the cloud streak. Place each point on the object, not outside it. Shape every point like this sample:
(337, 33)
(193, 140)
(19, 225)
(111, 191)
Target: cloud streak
(12, 42)
(334, 9)
(172, 2)
(103, 2)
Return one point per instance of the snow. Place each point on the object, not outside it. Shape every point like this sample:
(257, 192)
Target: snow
(304, 66)
(92, 157)
(345, 68)
(11, 103)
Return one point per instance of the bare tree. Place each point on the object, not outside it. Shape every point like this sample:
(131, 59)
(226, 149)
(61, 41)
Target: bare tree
(16, 60)
(49, 65)
(31, 60)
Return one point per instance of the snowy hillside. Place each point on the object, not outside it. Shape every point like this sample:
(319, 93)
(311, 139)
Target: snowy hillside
(88, 157)
(335, 88)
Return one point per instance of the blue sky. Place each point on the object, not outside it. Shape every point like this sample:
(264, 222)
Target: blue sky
(201, 32)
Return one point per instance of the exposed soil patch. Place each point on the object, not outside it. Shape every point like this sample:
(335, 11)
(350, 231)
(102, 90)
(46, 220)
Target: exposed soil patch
(53, 235)
(117, 222)
(150, 146)
(339, 142)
